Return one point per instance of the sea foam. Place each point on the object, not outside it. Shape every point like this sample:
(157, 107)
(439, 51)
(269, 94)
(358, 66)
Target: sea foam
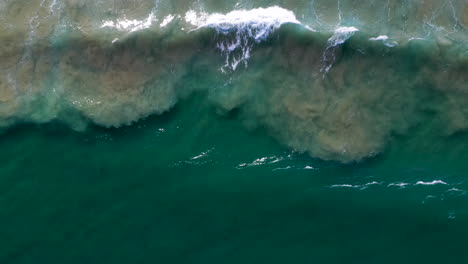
(241, 29)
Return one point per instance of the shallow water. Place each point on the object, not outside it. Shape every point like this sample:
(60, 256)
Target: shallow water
(251, 131)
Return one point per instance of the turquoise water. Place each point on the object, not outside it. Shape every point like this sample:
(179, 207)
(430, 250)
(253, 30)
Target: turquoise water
(304, 132)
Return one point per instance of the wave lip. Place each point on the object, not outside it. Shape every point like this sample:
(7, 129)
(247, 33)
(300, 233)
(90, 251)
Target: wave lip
(340, 36)
(262, 18)
(247, 27)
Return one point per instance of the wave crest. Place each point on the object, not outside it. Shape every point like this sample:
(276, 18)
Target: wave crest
(346, 113)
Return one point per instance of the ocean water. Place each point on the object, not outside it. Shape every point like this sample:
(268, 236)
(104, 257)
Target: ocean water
(207, 131)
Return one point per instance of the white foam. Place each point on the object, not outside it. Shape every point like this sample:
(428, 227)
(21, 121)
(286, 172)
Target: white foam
(130, 25)
(202, 155)
(261, 161)
(381, 37)
(340, 36)
(411, 39)
(385, 40)
(373, 183)
(357, 186)
(259, 17)
(194, 18)
(401, 184)
(431, 183)
(344, 186)
(168, 19)
(247, 27)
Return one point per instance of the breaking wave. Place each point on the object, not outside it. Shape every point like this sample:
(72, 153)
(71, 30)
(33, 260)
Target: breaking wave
(337, 93)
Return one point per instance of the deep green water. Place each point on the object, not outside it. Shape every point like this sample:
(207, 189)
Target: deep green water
(158, 132)
(143, 194)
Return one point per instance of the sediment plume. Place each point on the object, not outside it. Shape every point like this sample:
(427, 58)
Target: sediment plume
(331, 84)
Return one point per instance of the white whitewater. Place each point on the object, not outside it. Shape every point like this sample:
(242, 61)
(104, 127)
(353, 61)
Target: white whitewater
(340, 36)
(241, 29)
